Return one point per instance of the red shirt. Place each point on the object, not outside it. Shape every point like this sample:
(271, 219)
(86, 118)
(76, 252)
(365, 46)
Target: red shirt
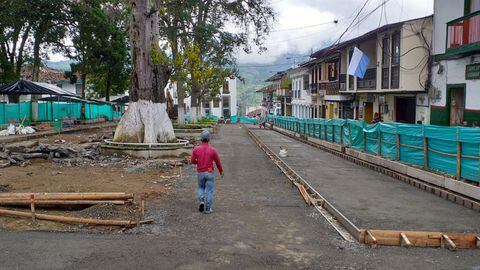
(203, 156)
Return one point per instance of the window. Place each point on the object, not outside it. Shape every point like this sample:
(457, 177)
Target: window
(305, 82)
(216, 102)
(474, 6)
(226, 90)
(226, 102)
(332, 71)
(396, 48)
(395, 66)
(206, 104)
(386, 62)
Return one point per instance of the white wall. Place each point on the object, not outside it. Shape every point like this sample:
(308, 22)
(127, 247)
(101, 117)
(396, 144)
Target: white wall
(454, 73)
(445, 11)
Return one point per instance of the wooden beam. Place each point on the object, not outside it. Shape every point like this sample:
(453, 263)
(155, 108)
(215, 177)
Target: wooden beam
(423, 238)
(404, 242)
(446, 241)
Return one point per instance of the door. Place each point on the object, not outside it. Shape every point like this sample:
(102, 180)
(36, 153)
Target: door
(330, 111)
(405, 110)
(368, 114)
(457, 106)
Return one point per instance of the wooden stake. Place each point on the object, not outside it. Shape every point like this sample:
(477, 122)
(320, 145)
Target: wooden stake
(425, 152)
(372, 238)
(142, 206)
(459, 160)
(446, 241)
(404, 242)
(379, 148)
(32, 206)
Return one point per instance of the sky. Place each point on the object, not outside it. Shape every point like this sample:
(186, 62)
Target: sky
(303, 26)
(292, 34)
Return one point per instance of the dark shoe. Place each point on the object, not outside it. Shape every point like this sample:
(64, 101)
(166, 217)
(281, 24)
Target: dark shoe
(208, 211)
(201, 207)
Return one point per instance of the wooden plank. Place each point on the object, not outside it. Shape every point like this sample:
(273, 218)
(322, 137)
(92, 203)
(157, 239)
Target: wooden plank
(447, 242)
(397, 157)
(404, 242)
(424, 238)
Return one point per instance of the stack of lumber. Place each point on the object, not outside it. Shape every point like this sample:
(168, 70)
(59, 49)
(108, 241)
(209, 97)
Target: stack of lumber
(68, 199)
(65, 199)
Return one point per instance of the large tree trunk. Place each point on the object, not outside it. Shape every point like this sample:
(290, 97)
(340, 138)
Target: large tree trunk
(36, 74)
(146, 119)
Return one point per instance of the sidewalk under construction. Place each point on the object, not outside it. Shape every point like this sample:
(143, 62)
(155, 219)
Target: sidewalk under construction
(370, 199)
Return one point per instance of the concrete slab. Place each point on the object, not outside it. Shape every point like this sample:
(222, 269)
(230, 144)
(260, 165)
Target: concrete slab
(368, 198)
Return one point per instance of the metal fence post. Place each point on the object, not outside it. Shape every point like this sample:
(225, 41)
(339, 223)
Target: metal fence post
(398, 145)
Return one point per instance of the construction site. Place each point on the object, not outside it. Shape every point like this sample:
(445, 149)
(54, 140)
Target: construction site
(285, 202)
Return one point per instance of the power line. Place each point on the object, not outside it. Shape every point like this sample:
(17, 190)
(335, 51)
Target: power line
(335, 21)
(356, 16)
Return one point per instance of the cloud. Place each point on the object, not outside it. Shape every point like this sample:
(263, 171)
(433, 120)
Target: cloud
(304, 13)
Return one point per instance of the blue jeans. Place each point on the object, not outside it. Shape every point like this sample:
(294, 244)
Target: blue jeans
(206, 184)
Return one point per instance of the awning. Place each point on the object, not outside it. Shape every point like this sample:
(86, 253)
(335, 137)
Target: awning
(24, 87)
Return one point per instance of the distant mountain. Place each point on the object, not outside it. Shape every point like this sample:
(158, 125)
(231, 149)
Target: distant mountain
(255, 74)
(60, 65)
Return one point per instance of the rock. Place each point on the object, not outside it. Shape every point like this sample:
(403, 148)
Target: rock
(21, 146)
(25, 164)
(35, 155)
(5, 164)
(4, 155)
(18, 157)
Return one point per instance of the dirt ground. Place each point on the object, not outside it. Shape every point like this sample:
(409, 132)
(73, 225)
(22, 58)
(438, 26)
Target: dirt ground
(152, 179)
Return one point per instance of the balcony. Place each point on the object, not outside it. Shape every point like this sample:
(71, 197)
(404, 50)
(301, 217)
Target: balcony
(369, 81)
(463, 34)
(331, 88)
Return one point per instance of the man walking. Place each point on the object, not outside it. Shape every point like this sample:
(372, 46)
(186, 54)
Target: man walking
(204, 156)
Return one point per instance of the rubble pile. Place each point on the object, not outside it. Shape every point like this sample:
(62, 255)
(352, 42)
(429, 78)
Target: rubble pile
(87, 153)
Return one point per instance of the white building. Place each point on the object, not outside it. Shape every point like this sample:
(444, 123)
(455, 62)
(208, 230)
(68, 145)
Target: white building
(301, 98)
(225, 105)
(455, 95)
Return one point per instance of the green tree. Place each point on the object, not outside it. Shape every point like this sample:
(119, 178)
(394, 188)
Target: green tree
(15, 29)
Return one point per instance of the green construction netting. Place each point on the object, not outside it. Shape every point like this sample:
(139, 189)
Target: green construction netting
(17, 112)
(396, 141)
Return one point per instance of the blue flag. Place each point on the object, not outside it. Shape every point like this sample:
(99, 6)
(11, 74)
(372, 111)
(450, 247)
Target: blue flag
(358, 64)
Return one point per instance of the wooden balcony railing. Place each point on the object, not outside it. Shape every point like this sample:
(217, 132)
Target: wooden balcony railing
(463, 34)
(331, 88)
(369, 81)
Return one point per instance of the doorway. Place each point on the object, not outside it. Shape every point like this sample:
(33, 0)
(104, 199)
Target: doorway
(405, 110)
(368, 112)
(456, 99)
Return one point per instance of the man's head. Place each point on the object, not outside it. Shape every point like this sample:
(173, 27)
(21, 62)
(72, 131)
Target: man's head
(205, 136)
